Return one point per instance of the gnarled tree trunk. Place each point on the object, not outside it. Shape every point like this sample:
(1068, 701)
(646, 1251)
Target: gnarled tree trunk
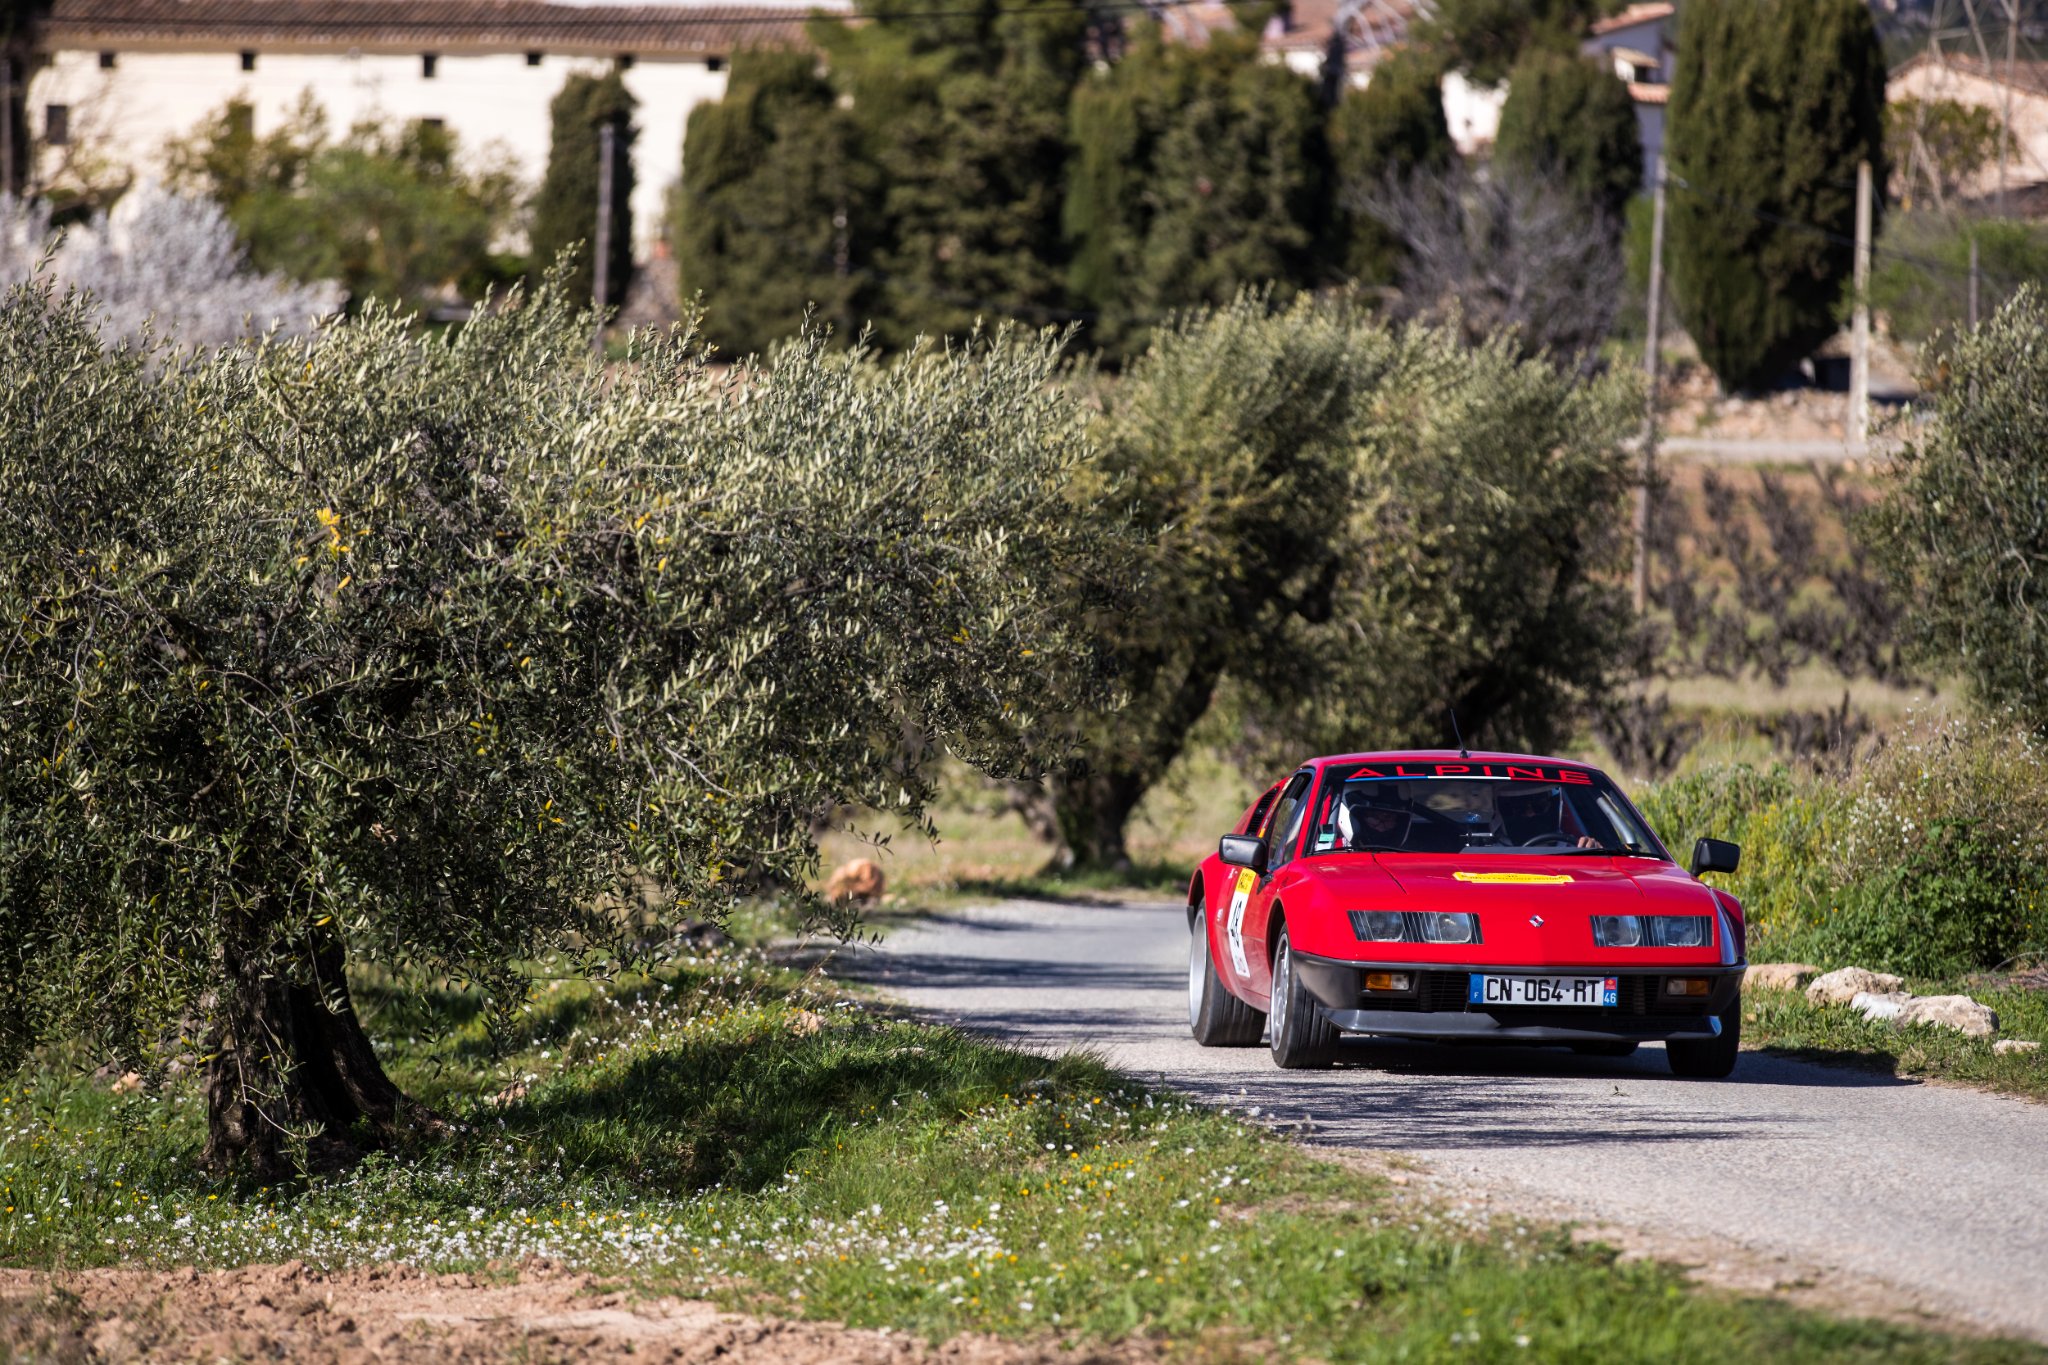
(291, 1065)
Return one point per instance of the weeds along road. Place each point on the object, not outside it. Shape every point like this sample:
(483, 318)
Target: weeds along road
(1938, 1191)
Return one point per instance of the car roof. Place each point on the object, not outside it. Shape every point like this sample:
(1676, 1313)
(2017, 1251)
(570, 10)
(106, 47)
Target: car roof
(1446, 756)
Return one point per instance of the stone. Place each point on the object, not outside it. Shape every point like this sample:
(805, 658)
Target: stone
(1879, 1005)
(2005, 1045)
(1845, 984)
(1958, 1012)
(1778, 976)
(858, 880)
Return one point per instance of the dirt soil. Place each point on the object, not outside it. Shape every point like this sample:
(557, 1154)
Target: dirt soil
(394, 1313)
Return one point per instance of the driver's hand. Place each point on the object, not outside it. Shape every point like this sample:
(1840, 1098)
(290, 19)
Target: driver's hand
(1588, 841)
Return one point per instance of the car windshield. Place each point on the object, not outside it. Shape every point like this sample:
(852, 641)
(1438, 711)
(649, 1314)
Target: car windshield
(1474, 808)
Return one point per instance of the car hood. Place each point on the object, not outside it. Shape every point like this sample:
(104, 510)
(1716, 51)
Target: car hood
(1534, 910)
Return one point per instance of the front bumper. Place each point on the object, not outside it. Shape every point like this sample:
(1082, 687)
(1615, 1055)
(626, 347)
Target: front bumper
(1436, 1006)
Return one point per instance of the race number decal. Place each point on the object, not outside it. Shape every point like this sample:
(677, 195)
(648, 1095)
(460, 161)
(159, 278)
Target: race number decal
(1245, 881)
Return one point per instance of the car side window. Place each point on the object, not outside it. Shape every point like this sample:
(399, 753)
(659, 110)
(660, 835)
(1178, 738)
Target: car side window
(1285, 830)
(1256, 816)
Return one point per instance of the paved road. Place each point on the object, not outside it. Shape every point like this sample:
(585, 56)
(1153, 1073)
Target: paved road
(1938, 1190)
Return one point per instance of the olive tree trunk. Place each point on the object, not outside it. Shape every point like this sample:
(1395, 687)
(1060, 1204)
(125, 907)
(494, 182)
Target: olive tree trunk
(293, 1083)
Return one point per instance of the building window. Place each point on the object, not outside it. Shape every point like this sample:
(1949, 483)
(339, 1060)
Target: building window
(714, 63)
(106, 61)
(435, 124)
(625, 61)
(248, 61)
(57, 124)
(533, 59)
(429, 61)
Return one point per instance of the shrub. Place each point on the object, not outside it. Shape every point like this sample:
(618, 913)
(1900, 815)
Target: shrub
(165, 262)
(1962, 526)
(1919, 302)
(1930, 860)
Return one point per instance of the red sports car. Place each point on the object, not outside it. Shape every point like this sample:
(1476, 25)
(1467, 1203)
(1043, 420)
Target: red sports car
(1461, 897)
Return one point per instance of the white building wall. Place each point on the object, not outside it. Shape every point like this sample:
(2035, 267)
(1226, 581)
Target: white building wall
(1472, 111)
(2028, 162)
(129, 113)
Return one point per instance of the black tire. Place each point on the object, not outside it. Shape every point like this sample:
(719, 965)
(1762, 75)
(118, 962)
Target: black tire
(1302, 1038)
(1605, 1049)
(1216, 1017)
(1709, 1059)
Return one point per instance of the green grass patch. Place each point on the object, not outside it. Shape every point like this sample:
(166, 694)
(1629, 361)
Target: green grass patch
(731, 1131)
(1784, 1021)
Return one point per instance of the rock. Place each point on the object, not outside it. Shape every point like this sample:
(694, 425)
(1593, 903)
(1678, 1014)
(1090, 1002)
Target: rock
(1879, 1005)
(1841, 986)
(1778, 976)
(859, 880)
(2005, 1045)
(129, 1083)
(1958, 1012)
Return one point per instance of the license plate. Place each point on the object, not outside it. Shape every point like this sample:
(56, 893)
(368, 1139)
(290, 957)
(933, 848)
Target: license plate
(1593, 991)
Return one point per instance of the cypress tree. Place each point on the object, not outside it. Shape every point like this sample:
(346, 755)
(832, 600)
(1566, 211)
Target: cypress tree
(1392, 127)
(1772, 105)
(775, 208)
(1199, 171)
(565, 209)
(963, 118)
(1570, 122)
(1485, 38)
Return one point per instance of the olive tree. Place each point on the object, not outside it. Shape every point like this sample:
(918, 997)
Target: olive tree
(379, 646)
(1960, 526)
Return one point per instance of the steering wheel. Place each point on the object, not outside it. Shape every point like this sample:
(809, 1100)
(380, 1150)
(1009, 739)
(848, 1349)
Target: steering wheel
(1554, 839)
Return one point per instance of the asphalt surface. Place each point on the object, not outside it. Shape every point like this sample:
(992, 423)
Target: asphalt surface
(1937, 1190)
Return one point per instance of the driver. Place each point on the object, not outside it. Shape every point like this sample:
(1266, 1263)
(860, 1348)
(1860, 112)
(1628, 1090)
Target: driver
(1373, 816)
(1538, 817)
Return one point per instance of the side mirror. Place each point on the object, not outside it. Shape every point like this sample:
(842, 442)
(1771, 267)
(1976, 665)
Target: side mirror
(1715, 855)
(1243, 850)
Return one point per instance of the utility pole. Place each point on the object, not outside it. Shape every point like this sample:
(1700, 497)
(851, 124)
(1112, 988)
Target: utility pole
(601, 277)
(1973, 279)
(6, 122)
(2012, 38)
(1653, 336)
(1859, 354)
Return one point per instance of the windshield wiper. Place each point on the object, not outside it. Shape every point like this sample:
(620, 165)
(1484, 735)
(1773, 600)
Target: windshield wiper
(1627, 851)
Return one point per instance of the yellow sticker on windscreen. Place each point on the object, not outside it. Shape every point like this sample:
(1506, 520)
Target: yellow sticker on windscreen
(1514, 878)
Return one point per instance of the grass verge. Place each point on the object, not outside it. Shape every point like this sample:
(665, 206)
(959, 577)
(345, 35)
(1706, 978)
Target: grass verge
(730, 1131)
(1784, 1021)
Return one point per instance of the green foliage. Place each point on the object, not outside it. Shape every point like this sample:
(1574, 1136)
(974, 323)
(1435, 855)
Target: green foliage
(393, 213)
(962, 120)
(1931, 860)
(1197, 172)
(1229, 444)
(1772, 105)
(1479, 563)
(1963, 522)
(427, 650)
(730, 1133)
(1350, 525)
(776, 208)
(1938, 146)
(565, 209)
(1485, 38)
(1568, 119)
(1387, 131)
(1920, 280)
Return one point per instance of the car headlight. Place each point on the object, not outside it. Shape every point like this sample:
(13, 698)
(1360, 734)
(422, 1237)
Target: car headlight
(1380, 926)
(1679, 931)
(1651, 931)
(1450, 928)
(1395, 926)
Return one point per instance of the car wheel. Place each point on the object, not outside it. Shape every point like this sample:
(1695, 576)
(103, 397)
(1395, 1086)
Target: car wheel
(1218, 1018)
(1708, 1058)
(1605, 1049)
(1301, 1036)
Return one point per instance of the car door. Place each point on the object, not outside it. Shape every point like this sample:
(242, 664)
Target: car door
(1283, 838)
(1229, 895)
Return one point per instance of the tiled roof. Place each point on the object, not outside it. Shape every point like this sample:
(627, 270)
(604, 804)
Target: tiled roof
(1644, 93)
(1633, 15)
(508, 25)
